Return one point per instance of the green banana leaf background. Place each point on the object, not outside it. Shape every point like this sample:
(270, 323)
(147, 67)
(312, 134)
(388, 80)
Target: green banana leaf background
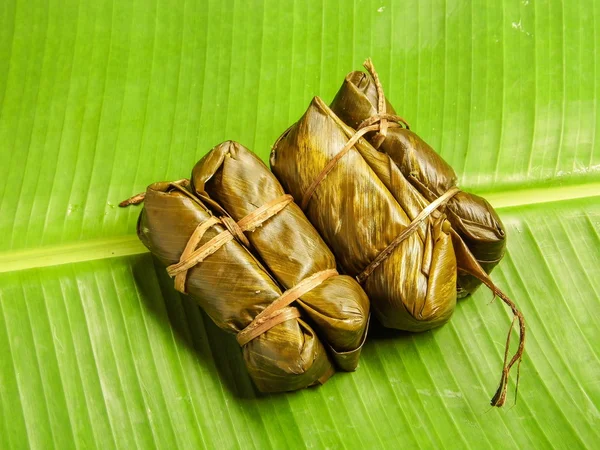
(100, 98)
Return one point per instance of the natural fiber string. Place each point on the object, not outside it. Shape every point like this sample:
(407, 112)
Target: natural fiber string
(407, 232)
(345, 149)
(139, 198)
(235, 230)
(274, 313)
(331, 164)
(192, 243)
(248, 223)
(378, 117)
(200, 254)
(499, 397)
(253, 220)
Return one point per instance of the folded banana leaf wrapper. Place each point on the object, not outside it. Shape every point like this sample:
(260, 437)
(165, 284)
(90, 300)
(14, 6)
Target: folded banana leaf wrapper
(357, 215)
(473, 218)
(380, 227)
(237, 269)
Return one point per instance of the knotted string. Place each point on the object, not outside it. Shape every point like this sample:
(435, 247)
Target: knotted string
(381, 108)
(139, 198)
(248, 223)
(275, 312)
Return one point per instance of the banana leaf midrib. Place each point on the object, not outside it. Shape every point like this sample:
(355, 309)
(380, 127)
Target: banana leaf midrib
(95, 249)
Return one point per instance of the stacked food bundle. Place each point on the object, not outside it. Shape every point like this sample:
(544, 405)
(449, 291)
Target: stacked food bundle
(360, 102)
(240, 247)
(373, 192)
(394, 218)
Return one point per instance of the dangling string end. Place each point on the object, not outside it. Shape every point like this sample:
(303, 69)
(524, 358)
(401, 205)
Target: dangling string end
(139, 198)
(469, 265)
(500, 395)
(135, 200)
(518, 377)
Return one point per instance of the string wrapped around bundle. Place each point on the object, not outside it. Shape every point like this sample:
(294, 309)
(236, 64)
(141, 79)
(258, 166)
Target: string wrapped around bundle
(288, 306)
(360, 102)
(382, 230)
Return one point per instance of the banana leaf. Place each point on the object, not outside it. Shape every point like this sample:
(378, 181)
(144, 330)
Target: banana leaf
(232, 287)
(101, 98)
(234, 181)
(358, 217)
(473, 218)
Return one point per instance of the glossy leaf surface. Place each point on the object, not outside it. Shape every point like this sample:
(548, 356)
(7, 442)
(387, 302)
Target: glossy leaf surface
(99, 99)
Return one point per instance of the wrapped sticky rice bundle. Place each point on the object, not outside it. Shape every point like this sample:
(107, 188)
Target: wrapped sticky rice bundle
(234, 181)
(382, 230)
(413, 288)
(359, 103)
(281, 351)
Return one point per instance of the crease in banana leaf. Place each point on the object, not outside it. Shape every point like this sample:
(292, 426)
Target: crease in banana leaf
(233, 285)
(471, 216)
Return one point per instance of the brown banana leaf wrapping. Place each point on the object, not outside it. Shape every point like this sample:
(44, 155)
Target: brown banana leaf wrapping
(356, 214)
(233, 287)
(471, 216)
(288, 245)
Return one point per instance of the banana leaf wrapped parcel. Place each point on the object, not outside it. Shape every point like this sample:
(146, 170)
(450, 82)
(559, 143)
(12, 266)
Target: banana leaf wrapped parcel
(287, 305)
(360, 101)
(289, 246)
(381, 229)
(413, 288)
